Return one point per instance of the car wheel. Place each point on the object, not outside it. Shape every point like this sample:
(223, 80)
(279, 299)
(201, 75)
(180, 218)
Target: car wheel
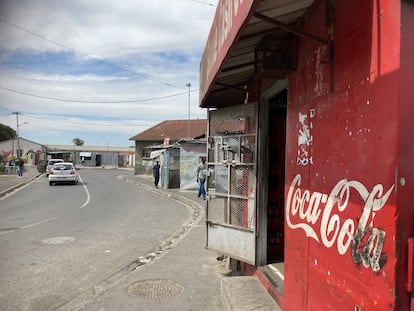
(50, 183)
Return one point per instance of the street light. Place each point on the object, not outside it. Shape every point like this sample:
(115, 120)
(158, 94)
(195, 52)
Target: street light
(188, 123)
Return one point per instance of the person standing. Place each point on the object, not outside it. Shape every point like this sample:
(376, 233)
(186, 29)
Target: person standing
(156, 173)
(201, 178)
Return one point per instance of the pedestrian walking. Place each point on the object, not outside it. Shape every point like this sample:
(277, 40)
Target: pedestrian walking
(156, 173)
(20, 165)
(201, 178)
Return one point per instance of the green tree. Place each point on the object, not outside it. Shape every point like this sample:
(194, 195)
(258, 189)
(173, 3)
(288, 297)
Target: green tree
(6, 132)
(78, 142)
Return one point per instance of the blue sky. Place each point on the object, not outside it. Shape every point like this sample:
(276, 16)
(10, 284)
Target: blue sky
(99, 70)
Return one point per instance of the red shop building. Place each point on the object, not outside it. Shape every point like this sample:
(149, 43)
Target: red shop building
(310, 143)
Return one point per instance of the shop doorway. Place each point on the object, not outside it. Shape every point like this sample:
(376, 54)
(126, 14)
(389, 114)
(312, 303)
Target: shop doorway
(276, 177)
(274, 270)
(98, 160)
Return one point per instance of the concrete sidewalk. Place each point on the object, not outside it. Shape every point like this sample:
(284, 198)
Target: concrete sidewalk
(180, 275)
(11, 182)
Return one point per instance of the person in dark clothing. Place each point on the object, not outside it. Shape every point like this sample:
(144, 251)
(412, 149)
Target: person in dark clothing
(20, 165)
(156, 173)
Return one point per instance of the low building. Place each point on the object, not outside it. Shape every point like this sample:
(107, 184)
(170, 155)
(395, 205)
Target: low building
(80, 155)
(30, 150)
(94, 156)
(165, 133)
(169, 159)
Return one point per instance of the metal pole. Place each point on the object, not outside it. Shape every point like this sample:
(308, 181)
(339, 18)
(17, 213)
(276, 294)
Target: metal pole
(17, 134)
(188, 123)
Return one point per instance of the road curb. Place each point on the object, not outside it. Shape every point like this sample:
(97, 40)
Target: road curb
(17, 186)
(197, 208)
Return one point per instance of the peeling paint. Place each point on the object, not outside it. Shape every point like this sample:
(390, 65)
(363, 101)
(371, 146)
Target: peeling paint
(304, 210)
(320, 88)
(304, 139)
(370, 255)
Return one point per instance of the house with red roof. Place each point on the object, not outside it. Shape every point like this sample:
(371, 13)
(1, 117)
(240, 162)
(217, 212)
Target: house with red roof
(164, 134)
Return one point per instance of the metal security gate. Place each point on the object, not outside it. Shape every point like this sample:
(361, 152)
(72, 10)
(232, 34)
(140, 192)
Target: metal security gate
(231, 182)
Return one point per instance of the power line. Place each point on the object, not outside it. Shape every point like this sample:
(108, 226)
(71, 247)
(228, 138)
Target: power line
(87, 55)
(90, 101)
(74, 120)
(202, 2)
(77, 120)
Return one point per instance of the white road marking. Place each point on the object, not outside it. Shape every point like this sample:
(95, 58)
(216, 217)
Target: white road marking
(87, 194)
(88, 199)
(29, 225)
(8, 231)
(38, 223)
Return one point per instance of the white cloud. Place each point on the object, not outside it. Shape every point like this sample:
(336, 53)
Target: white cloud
(158, 42)
(107, 28)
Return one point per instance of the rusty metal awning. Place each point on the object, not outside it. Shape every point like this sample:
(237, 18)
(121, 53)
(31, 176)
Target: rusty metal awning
(230, 60)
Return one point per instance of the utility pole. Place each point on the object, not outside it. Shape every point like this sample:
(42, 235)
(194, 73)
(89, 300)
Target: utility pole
(17, 134)
(188, 123)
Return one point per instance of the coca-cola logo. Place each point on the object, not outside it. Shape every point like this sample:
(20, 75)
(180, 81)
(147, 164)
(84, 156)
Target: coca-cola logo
(304, 210)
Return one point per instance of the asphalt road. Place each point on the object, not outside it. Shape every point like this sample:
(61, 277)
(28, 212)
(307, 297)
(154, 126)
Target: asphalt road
(58, 241)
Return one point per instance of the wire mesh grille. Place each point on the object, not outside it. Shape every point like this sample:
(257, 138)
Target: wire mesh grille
(231, 177)
(232, 126)
(232, 211)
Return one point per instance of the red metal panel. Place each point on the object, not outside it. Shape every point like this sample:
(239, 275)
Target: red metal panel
(341, 207)
(405, 178)
(410, 268)
(296, 244)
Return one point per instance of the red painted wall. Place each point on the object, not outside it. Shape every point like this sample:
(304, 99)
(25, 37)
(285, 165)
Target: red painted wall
(405, 179)
(346, 124)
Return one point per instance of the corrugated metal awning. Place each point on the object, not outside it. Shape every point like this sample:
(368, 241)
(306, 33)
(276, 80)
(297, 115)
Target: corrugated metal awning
(239, 41)
(156, 153)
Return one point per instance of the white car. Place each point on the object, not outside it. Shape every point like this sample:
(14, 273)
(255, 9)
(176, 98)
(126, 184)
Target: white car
(63, 172)
(50, 164)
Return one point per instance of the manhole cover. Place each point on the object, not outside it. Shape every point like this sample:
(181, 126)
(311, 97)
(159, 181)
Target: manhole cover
(154, 289)
(59, 240)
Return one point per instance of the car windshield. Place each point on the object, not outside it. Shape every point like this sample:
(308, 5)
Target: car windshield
(54, 162)
(64, 167)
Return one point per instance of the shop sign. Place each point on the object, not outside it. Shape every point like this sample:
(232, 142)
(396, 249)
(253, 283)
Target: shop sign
(320, 216)
(229, 18)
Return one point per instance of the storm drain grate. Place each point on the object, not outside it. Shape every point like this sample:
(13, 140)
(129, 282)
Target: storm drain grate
(154, 289)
